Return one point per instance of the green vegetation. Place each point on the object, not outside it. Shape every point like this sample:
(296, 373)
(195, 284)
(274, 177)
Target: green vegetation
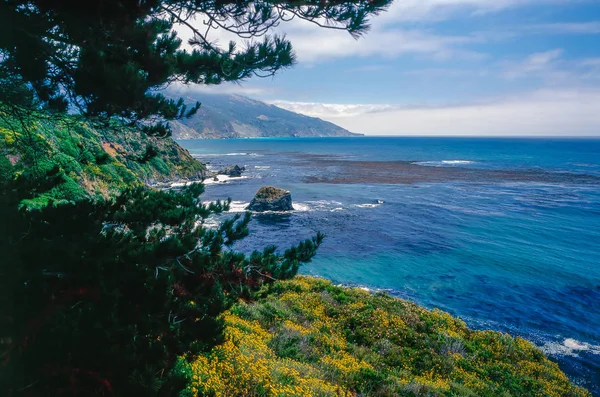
(269, 192)
(306, 337)
(89, 161)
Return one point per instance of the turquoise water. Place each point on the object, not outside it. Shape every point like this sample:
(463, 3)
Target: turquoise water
(504, 233)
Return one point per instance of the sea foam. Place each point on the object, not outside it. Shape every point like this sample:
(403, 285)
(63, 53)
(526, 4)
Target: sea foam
(442, 163)
(569, 347)
(223, 179)
(240, 206)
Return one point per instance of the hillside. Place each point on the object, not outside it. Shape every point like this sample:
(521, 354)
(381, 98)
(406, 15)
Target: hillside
(91, 161)
(234, 116)
(307, 337)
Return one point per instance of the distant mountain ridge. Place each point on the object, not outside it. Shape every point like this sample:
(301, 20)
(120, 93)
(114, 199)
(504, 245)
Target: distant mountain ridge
(235, 116)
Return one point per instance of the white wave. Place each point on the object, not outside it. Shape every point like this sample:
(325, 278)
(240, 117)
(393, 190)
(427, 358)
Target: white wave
(457, 162)
(324, 204)
(369, 205)
(180, 184)
(444, 162)
(262, 167)
(238, 206)
(569, 347)
(223, 179)
(300, 207)
(226, 154)
(209, 181)
(360, 286)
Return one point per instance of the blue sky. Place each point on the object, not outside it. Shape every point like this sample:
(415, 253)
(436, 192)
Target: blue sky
(448, 67)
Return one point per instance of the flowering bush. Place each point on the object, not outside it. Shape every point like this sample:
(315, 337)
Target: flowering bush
(306, 337)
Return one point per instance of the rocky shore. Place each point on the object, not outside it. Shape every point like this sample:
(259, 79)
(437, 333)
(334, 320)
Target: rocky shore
(234, 171)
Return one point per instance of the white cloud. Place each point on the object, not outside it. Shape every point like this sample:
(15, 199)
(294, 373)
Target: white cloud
(445, 73)
(535, 63)
(330, 110)
(314, 45)
(554, 70)
(391, 35)
(546, 112)
(435, 10)
(540, 59)
(225, 88)
(566, 28)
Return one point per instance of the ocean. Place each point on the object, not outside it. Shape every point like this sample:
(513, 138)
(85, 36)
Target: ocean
(503, 233)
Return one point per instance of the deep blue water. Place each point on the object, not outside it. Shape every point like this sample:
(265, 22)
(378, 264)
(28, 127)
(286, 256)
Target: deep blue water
(504, 233)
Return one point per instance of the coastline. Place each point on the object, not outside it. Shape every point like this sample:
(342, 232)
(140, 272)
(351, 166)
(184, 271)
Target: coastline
(436, 242)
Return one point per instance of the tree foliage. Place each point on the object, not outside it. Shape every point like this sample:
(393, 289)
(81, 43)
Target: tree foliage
(106, 58)
(102, 298)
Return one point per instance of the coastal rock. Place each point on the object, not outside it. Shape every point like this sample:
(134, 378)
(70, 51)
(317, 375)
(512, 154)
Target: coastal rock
(269, 198)
(235, 171)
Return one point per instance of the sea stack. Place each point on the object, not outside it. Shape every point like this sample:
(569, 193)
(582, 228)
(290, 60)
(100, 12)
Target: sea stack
(235, 171)
(269, 198)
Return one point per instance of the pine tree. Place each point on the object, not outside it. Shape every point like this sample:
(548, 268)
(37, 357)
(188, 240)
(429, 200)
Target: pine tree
(102, 297)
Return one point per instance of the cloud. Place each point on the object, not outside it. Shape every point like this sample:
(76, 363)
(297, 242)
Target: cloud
(399, 31)
(315, 46)
(565, 28)
(544, 112)
(368, 68)
(446, 73)
(225, 88)
(534, 63)
(436, 10)
(554, 70)
(329, 110)
(540, 59)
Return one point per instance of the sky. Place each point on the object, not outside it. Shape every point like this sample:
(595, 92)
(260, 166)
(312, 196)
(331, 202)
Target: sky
(447, 67)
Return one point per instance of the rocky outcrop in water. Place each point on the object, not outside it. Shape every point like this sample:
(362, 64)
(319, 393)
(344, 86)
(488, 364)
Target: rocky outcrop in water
(235, 171)
(269, 198)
